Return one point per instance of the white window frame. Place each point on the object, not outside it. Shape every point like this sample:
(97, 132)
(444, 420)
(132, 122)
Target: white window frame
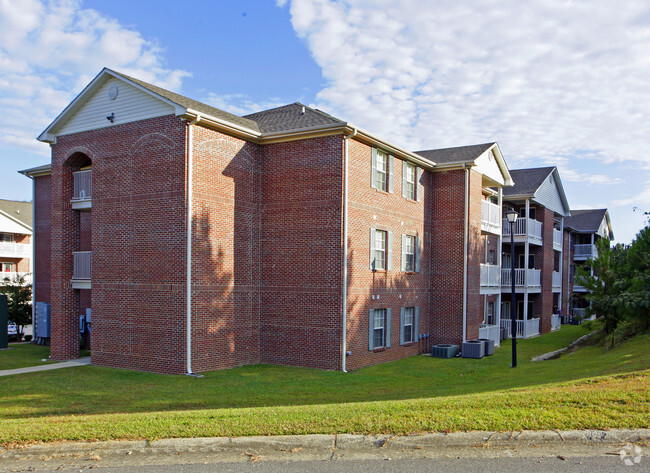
(382, 170)
(381, 248)
(379, 320)
(411, 242)
(409, 180)
(7, 238)
(409, 325)
(492, 257)
(490, 316)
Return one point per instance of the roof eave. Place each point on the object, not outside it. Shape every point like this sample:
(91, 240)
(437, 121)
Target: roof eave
(44, 170)
(19, 222)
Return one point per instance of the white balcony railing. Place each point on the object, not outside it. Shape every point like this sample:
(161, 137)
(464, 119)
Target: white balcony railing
(490, 275)
(15, 250)
(491, 332)
(490, 217)
(557, 239)
(557, 280)
(556, 323)
(13, 276)
(524, 227)
(583, 252)
(81, 265)
(83, 189)
(525, 328)
(523, 277)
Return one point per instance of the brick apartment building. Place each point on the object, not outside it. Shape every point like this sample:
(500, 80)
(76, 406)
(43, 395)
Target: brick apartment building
(15, 240)
(311, 242)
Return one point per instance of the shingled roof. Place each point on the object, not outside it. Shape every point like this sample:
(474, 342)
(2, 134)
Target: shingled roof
(587, 221)
(295, 116)
(193, 104)
(458, 155)
(527, 181)
(21, 211)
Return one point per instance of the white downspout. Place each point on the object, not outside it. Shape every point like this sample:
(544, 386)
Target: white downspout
(465, 240)
(32, 266)
(188, 282)
(344, 276)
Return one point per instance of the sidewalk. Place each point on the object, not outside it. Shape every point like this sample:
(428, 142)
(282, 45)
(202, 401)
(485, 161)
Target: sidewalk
(53, 366)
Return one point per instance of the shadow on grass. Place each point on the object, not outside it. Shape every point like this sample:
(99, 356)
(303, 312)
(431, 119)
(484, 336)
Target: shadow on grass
(97, 390)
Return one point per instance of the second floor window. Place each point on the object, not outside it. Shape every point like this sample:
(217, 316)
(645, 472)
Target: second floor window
(381, 254)
(409, 180)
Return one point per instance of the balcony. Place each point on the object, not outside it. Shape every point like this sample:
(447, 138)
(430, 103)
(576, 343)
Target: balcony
(491, 276)
(557, 240)
(526, 229)
(585, 252)
(81, 272)
(530, 278)
(490, 218)
(557, 281)
(12, 276)
(83, 190)
(525, 328)
(15, 250)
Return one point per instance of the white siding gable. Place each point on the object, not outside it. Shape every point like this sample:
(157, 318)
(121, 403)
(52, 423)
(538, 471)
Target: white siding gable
(130, 105)
(487, 165)
(548, 195)
(8, 225)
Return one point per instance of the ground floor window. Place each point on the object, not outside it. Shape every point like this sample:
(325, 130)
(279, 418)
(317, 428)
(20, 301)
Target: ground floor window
(379, 328)
(490, 316)
(408, 325)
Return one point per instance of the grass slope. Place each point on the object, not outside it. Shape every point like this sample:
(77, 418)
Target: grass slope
(413, 395)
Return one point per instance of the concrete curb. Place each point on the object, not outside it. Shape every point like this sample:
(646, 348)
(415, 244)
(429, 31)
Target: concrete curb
(322, 447)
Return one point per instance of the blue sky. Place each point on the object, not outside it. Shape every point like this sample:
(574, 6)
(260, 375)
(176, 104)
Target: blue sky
(554, 82)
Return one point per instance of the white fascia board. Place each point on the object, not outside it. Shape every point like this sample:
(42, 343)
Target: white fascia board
(190, 114)
(392, 148)
(508, 182)
(44, 170)
(565, 201)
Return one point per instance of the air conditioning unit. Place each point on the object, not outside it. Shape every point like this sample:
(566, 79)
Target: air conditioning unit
(473, 349)
(488, 346)
(444, 351)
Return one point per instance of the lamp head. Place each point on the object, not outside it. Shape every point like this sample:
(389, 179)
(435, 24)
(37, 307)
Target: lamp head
(511, 215)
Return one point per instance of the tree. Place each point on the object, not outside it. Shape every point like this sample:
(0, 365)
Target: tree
(19, 295)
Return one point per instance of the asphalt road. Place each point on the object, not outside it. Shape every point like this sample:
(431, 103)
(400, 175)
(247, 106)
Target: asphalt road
(593, 464)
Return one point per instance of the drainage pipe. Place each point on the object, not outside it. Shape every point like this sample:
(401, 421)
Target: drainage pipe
(344, 272)
(466, 249)
(188, 282)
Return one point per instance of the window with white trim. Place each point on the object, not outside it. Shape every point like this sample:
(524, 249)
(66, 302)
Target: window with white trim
(408, 325)
(379, 328)
(8, 267)
(492, 257)
(382, 175)
(409, 180)
(381, 253)
(7, 237)
(410, 254)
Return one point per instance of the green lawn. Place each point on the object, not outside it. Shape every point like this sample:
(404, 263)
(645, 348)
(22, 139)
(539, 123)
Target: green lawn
(416, 394)
(21, 355)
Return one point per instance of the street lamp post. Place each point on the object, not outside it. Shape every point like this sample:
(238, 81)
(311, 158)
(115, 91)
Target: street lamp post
(511, 215)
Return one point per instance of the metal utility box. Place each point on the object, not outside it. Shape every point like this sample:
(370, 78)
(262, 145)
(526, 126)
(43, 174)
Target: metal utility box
(488, 346)
(42, 320)
(4, 322)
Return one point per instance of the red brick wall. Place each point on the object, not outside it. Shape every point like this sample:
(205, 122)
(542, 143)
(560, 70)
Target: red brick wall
(138, 244)
(301, 255)
(392, 289)
(548, 264)
(225, 251)
(42, 232)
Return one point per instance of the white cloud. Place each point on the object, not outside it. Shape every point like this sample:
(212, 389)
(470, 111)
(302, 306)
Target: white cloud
(50, 50)
(550, 80)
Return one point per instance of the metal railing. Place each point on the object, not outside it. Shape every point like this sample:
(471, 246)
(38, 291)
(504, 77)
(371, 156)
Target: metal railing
(13, 276)
(557, 279)
(585, 251)
(82, 265)
(557, 239)
(83, 189)
(490, 217)
(490, 275)
(523, 277)
(15, 250)
(525, 328)
(527, 227)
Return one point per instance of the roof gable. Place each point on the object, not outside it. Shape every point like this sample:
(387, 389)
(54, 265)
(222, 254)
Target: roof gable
(591, 221)
(15, 217)
(543, 185)
(112, 98)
